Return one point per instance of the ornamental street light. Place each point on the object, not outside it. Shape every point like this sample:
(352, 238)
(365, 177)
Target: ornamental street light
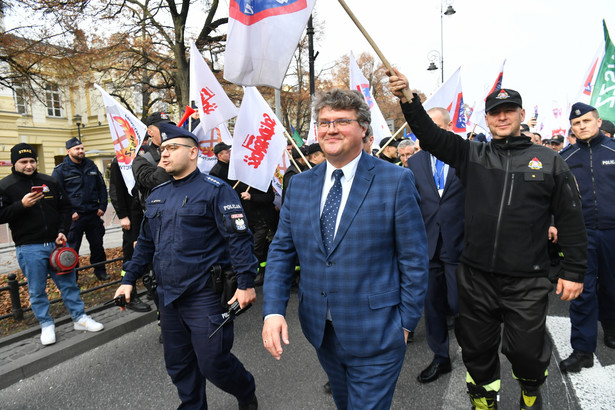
(448, 12)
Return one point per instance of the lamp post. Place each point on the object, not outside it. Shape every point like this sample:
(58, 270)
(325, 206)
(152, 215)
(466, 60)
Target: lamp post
(448, 12)
(77, 120)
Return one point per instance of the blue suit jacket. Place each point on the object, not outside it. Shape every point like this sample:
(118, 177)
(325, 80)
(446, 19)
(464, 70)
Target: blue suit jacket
(444, 214)
(375, 276)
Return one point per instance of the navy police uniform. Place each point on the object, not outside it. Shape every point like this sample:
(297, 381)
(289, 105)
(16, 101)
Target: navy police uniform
(86, 189)
(190, 225)
(593, 164)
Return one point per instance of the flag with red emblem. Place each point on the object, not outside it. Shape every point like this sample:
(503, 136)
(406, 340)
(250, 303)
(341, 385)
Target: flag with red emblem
(450, 97)
(213, 104)
(262, 38)
(258, 142)
(380, 129)
(207, 140)
(127, 134)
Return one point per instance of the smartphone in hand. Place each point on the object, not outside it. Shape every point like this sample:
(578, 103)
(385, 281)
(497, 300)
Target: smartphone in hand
(37, 189)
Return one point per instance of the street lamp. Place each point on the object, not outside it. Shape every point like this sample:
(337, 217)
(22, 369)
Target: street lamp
(77, 120)
(433, 56)
(448, 12)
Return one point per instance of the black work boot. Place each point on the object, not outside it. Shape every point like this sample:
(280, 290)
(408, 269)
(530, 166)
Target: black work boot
(250, 405)
(482, 399)
(576, 361)
(137, 304)
(530, 398)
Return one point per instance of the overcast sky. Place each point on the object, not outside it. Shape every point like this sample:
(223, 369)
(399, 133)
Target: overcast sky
(548, 44)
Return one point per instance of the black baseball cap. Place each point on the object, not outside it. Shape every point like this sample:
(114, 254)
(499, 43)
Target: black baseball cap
(502, 96)
(219, 147)
(158, 118)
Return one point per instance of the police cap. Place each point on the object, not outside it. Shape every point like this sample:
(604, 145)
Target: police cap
(168, 131)
(579, 109)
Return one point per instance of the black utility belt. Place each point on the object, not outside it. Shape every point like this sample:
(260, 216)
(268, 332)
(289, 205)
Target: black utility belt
(223, 282)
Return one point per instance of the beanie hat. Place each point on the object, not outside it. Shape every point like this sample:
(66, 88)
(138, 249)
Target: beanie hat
(22, 150)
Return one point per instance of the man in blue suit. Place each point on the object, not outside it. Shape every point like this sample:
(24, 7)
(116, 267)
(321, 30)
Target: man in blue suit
(355, 224)
(442, 205)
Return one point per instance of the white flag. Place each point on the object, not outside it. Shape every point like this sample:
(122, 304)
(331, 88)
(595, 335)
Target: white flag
(258, 142)
(312, 136)
(585, 94)
(207, 159)
(127, 134)
(358, 81)
(450, 97)
(262, 38)
(214, 105)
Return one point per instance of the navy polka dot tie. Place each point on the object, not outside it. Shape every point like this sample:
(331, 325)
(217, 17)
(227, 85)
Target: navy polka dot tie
(329, 212)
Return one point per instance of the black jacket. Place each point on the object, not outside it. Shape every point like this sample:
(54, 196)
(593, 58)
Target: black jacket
(40, 223)
(125, 205)
(84, 185)
(512, 189)
(147, 173)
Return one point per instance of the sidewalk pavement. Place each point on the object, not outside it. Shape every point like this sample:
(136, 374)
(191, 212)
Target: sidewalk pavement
(22, 355)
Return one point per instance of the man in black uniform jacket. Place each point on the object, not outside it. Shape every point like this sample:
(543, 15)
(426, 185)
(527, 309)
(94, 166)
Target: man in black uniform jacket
(513, 188)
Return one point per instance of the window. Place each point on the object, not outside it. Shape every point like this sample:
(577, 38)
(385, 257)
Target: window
(21, 97)
(52, 97)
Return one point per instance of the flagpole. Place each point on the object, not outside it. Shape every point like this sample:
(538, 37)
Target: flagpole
(386, 63)
(294, 163)
(392, 138)
(292, 141)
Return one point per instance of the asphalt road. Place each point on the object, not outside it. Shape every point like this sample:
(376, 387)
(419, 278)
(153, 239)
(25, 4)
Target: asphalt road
(129, 373)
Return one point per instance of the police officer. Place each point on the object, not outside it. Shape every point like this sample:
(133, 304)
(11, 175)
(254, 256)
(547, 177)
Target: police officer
(194, 222)
(86, 189)
(592, 161)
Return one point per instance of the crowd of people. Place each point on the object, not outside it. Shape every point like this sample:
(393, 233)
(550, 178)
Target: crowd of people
(468, 205)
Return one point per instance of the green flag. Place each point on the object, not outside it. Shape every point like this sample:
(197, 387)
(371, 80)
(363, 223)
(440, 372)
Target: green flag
(603, 92)
(298, 140)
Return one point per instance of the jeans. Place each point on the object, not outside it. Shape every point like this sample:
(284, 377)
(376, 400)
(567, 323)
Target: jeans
(34, 263)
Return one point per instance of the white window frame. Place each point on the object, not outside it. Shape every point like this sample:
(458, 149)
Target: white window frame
(20, 95)
(53, 101)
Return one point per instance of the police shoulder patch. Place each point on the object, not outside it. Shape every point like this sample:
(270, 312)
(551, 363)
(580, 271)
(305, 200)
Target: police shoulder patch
(239, 222)
(212, 180)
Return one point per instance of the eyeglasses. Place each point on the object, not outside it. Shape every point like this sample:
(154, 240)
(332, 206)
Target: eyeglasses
(340, 123)
(173, 147)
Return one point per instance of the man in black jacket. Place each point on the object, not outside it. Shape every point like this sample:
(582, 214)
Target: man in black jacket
(86, 189)
(128, 210)
(39, 214)
(513, 187)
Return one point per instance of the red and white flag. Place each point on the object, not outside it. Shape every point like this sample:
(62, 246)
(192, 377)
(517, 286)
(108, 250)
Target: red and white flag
(380, 129)
(262, 38)
(214, 105)
(450, 97)
(585, 94)
(259, 142)
(127, 134)
(478, 114)
(207, 140)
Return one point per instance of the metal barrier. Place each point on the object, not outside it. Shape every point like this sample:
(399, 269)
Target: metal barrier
(13, 289)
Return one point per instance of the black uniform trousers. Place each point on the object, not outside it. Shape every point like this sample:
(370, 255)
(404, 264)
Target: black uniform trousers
(597, 301)
(191, 356)
(488, 300)
(94, 230)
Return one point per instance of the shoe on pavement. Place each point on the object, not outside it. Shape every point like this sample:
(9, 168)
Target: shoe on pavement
(530, 399)
(102, 276)
(85, 322)
(138, 305)
(48, 335)
(433, 371)
(577, 361)
(251, 405)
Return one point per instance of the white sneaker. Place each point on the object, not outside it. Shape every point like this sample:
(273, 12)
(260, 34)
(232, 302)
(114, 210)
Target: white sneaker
(48, 335)
(85, 322)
